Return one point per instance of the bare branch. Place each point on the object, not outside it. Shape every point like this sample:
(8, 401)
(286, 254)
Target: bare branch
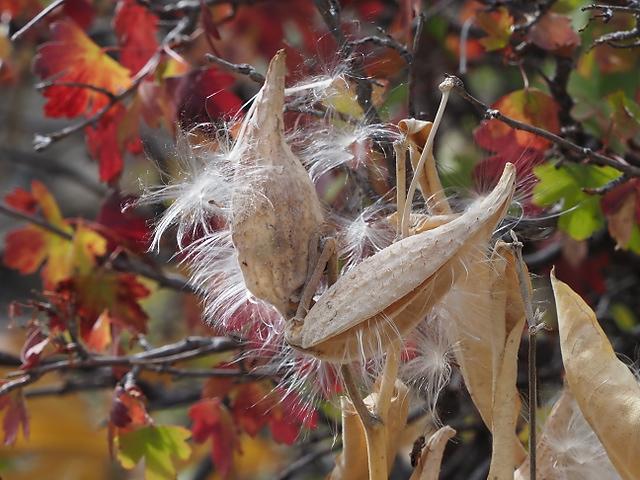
(189, 348)
(35, 20)
(241, 68)
(587, 153)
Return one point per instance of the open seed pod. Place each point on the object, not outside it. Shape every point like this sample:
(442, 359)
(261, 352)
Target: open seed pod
(606, 391)
(275, 209)
(389, 293)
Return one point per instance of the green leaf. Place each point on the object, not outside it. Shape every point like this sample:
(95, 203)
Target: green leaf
(582, 214)
(624, 317)
(156, 445)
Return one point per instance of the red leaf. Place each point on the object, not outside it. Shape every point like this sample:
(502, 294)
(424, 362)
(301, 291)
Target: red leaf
(251, 407)
(106, 147)
(290, 416)
(136, 29)
(123, 225)
(22, 200)
(72, 56)
(203, 95)
(211, 419)
(128, 410)
(15, 415)
(25, 249)
(553, 32)
(81, 11)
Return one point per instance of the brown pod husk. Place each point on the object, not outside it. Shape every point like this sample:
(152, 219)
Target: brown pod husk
(276, 212)
(606, 391)
(390, 292)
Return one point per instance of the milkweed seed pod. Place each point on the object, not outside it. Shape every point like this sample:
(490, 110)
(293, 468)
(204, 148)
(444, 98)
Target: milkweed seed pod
(389, 293)
(606, 391)
(275, 210)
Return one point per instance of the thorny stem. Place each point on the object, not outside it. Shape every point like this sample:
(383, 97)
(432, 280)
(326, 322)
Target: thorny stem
(445, 88)
(533, 329)
(593, 157)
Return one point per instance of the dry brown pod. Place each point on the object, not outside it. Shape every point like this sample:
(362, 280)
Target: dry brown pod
(606, 391)
(387, 294)
(352, 463)
(276, 213)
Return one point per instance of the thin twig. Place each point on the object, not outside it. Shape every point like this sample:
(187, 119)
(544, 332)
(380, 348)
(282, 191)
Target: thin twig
(241, 68)
(189, 348)
(388, 42)
(35, 20)
(532, 322)
(12, 212)
(87, 86)
(590, 155)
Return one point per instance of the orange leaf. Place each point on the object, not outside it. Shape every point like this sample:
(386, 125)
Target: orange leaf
(99, 337)
(497, 25)
(554, 33)
(530, 106)
(72, 56)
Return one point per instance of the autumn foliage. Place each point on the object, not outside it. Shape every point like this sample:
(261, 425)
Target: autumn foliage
(152, 311)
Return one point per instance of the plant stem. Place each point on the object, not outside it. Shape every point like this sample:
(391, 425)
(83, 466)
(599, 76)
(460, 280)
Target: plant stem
(445, 88)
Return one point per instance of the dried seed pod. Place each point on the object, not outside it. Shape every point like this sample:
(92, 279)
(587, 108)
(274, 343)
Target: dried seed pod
(390, 292)
(606, 391)
(276, 212)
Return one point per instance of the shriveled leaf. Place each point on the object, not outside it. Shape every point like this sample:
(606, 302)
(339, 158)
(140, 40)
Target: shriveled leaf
(157, 446)
(71, 56)
(582, 215)
(428, 467)
(606, 391)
